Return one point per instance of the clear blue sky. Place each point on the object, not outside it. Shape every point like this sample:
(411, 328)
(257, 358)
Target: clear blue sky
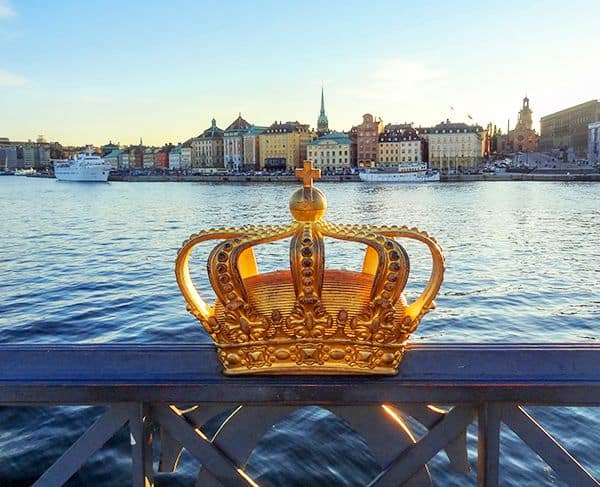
(88, 71)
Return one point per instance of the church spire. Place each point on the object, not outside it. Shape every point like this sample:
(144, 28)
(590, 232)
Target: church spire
(322, 122)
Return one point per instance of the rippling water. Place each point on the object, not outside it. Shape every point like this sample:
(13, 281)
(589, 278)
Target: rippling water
(93, 263)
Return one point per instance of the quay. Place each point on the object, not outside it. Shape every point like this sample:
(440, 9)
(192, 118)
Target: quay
(353, 178)
(145, 387)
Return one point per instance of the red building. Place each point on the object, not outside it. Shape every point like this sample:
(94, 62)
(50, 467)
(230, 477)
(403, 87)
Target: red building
(161, 159)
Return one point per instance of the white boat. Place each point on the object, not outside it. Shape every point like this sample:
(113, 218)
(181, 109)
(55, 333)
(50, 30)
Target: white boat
(25, 172)
(412, 172)
(87, 167)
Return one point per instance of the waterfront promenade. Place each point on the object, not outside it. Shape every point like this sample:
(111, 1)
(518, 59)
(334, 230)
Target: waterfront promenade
(237, 178)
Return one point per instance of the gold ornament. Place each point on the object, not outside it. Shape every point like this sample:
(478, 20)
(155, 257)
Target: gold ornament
(309, 319)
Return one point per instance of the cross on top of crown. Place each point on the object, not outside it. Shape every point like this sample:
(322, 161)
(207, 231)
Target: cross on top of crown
(308, 174)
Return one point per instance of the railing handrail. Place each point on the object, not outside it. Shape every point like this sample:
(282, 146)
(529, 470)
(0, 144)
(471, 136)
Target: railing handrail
(551, 374)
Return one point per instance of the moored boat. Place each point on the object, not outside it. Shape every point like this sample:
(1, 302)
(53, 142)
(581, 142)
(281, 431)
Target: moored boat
(414, 172)
(87, 167)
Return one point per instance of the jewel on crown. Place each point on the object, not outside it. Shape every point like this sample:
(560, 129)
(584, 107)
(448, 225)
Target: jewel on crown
(309, 319)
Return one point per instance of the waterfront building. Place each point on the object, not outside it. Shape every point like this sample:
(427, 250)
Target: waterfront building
(8, 157)
(136, 155)
(282, 146)
(568, 128)
(148, 157)
(331, 152)
(252, 147)
(367, 140)
(594, 143)
(186, 156)
(161, 158)
(106, 149)
(400, 144)
(175, 158)
(36, 155)
(322, 122)
(454, 145)
(523, 137)
(114, 158)
(233, 144)
(207, 148)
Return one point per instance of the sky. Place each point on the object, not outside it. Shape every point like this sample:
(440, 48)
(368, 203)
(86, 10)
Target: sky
(86, 72)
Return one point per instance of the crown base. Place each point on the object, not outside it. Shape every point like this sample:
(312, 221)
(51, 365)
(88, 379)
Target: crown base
(311, 357)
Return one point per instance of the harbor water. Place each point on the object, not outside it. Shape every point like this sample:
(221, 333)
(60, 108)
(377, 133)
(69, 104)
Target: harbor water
(94, 263)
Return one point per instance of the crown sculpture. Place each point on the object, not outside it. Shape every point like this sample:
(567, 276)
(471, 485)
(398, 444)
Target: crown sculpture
(309, 319)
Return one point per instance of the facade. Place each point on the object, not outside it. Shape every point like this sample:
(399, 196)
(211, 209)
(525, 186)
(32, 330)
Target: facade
(454, 145)
(252, 147)
(282, 146)
(593, 154)
(161, 158)
(568, 128)
(148, 157)
(233, 144)
(36, 155)
(186, 156)
(108, 148)
(207, 148)
(322, 122)
(136, 156)
(523, 138)
(175, 158)
(367, 140)
(400, 144)
(113, 158)
(331, 152)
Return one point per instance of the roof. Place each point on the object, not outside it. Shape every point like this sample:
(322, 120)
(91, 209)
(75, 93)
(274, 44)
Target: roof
(114, 153)
(255, 130)
(287, 127)
(450, 127)
(337, 137)
(238, 124)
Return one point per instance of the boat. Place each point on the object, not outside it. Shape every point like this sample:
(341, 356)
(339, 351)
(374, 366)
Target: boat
(412, 172)
(25, 172)
(87, 167)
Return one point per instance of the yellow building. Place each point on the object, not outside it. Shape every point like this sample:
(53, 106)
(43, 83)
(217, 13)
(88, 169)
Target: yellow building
(282, 146)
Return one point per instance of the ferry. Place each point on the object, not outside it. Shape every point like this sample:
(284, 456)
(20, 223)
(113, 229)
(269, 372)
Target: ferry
(87, 167)
(412, 172)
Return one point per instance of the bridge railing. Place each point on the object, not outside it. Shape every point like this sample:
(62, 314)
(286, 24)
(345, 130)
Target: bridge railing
(171, 391)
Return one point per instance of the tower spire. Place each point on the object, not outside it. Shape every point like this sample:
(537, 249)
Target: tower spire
(322, 122)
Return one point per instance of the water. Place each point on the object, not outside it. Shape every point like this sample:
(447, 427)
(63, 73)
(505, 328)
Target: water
(93, 263)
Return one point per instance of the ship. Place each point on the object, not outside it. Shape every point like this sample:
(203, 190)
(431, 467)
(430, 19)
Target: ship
(413, 172)
(87, 167)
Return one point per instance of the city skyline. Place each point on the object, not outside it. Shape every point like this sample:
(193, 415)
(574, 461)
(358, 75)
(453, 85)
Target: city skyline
(81, 73)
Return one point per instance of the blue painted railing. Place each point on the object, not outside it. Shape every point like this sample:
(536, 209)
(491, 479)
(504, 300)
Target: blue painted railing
(145, 387)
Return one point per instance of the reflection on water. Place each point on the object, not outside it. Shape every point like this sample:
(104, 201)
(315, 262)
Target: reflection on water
(94, 263)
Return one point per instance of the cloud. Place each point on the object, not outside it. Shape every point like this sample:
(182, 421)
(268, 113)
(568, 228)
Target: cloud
(11, 79)
(6, 9)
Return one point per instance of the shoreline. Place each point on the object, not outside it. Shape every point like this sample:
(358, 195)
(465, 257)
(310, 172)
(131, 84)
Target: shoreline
(353, 178)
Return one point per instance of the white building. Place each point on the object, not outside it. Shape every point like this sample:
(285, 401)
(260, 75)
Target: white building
(148, 157)
(233, 144)
(252, 147)
(331, 152)
(175, 158)
(594, 143)
(454, 145)
(186, 157)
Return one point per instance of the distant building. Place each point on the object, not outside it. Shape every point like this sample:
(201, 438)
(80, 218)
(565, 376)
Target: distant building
(161, 158)
(367, 140)
(233, 143)
(186, 156)
(108, 148)
(454, 145)
(322, 122)
(282, 146)
(175, 158)
(8, 157)
(594, 143)
(400, 144)
(522, 138)
(207, 148)
(148, 157)
(568, 128)
(36, 155)
(114, 157)
(331, 152)
(252, 147)
(136, 155)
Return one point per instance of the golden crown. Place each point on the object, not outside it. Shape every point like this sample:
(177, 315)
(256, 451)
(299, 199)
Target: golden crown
(309, 319)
